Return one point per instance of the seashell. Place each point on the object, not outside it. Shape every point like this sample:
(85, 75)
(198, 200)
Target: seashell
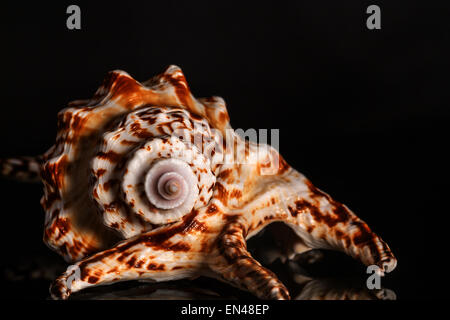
(147, 182)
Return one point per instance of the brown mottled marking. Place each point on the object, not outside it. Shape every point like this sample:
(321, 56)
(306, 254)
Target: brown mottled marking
(341, 214)
(78, 123)
(282, 165)
(265, 165)
(79, 246)
(93, 279)
(151, 239)
(100, 172)
(127, 142)
(321, 217)
(302, 205)
(316, 193)
(53, 173)
(223, 117)
(109, 156)
(222, 193)
(114, 270)
(363, 235)
(121, 86)
(236, 193)
(196, 117)
(293, 211)
(180, 246)
(140, 132)
(63, 226)
(155, 267)
(341, 235)
(131, 262)
(181, 89)
(212, 209)
(114, 225)
(341, 211)
(196, 226)
(245, 271)
(112, 206)
(98, 273)
(150, 120)
(124, 255)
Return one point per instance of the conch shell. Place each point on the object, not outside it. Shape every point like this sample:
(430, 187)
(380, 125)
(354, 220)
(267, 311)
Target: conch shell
(147, 182)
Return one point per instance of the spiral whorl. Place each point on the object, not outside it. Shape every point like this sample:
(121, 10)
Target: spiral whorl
(162, 179)
(147, 173)
(171, 183)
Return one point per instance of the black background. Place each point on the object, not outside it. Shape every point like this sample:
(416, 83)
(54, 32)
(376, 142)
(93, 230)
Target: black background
(363, 113)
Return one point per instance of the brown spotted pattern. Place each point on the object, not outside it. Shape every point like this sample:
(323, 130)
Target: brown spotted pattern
(149, 133)
(96, 211)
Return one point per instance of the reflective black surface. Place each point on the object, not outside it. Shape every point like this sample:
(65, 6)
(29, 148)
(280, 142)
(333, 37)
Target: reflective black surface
(313, 275)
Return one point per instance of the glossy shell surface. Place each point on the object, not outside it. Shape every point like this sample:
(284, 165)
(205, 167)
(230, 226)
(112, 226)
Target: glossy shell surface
(147, 182)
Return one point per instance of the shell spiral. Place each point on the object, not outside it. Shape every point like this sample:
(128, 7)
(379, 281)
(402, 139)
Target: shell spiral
(153, 168)
(133, 157)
